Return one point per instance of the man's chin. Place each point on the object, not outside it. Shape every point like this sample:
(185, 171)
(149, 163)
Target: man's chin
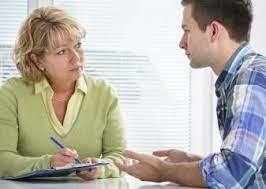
(196, 65)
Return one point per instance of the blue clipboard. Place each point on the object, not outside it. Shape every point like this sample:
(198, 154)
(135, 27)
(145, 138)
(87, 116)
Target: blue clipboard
(57, 172)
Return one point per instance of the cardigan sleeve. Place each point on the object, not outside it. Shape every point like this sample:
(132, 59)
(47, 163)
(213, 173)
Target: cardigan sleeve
(11, 162)
(114, 141)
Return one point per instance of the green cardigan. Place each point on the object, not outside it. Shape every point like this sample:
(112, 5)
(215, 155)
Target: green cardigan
(25, 128)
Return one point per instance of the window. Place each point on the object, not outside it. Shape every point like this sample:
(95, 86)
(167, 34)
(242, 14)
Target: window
(12, 14)
(134, 45)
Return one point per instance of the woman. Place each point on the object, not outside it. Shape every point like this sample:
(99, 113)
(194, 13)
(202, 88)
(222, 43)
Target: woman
(54, 97)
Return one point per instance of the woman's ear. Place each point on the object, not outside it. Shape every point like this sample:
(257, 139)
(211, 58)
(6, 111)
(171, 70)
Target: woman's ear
(36, 60)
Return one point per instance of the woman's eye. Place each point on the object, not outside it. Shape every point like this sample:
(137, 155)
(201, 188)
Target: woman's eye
(78, 45)
(61, 52)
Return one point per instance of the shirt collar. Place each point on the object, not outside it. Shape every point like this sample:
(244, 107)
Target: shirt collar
(43, 84)
(232, 66)
(82, 85)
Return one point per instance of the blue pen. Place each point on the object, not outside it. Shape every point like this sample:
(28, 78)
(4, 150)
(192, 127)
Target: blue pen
(62, 146)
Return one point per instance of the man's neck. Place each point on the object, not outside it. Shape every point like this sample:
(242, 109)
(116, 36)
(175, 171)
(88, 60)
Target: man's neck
(225, 52)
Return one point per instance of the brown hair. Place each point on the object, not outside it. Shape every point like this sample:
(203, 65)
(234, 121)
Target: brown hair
(40, 32)
(235, 15)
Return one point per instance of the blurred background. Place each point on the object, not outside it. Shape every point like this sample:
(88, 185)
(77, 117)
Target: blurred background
(134, 45)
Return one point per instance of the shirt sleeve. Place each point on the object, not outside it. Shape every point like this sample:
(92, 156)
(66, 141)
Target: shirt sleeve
(114, 141)
(242, 152)
(11, 162)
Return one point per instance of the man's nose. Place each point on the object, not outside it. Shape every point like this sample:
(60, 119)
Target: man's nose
(182, 43)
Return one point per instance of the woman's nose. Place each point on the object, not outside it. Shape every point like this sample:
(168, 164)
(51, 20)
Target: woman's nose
(75, 55)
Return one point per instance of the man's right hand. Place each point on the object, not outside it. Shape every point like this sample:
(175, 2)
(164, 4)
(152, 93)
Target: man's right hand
(175, 156)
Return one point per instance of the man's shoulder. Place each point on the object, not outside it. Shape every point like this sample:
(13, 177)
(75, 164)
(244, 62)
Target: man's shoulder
(253, 70)
(254, 61)
(259, 64)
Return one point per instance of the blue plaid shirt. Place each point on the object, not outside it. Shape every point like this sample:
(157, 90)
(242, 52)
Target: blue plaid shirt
(241, 112)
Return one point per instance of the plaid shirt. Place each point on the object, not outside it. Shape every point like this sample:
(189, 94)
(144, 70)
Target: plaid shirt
(241, 112)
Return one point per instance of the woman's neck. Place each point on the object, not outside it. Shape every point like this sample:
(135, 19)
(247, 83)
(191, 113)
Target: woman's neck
(63, 87)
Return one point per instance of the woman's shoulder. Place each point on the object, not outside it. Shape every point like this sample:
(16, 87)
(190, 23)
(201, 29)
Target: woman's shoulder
(99, 86)
(15, 84)
(97, 83)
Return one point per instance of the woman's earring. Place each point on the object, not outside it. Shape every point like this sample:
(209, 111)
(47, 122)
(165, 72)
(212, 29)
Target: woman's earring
(42, 69)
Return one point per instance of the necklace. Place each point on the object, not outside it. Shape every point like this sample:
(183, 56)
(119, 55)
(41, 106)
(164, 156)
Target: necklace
(60, 100)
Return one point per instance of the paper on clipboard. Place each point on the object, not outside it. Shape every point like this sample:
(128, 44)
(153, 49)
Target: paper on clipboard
(58, 172)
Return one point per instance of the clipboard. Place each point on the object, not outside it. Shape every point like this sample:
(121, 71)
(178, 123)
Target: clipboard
(57, 172)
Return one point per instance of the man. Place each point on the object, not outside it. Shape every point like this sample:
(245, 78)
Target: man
(216, 35)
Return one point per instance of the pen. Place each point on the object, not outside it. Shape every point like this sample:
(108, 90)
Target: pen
(60, 145)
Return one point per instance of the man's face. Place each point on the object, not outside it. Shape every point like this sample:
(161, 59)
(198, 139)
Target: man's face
(194, 41)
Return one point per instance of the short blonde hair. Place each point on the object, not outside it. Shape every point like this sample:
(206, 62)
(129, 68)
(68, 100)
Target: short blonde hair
(41, 31)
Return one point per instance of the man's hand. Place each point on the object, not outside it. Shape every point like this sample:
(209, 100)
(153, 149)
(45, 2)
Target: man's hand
(151, 168)
(145, 167)
(175, 156)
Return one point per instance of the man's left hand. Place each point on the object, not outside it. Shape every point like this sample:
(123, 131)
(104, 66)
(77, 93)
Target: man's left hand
(145, 167)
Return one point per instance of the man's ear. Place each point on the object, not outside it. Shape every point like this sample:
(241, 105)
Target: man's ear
(215, 30)
(36, 60)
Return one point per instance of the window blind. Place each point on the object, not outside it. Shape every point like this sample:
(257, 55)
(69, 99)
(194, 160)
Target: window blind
(12, 14)
(134, 45)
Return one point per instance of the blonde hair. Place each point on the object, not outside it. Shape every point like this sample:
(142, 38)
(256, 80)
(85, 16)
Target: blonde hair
(41, 31)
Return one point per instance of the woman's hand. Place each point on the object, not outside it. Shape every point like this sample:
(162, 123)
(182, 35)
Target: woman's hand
(63, 157)
(90, 174)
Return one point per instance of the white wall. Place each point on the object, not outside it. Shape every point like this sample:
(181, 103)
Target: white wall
(258, 32)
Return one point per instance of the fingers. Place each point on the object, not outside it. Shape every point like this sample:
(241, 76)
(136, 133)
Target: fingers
(59, 161)
(63, 157)
(134, 155)
(149, 159)
(161, 153)
(91, 173)
(124, 167)
(68, 152)
(141, 170)
(87, 160)
(121, 166)
(173, 155)
(95, 160)
(91, 160)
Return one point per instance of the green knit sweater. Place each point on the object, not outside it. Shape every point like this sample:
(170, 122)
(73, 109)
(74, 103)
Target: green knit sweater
(25, 128)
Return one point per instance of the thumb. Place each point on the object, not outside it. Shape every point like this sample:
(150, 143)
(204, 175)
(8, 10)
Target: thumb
(161, 153)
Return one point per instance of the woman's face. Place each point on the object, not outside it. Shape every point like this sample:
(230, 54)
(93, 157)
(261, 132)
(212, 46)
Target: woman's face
(63, 63)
